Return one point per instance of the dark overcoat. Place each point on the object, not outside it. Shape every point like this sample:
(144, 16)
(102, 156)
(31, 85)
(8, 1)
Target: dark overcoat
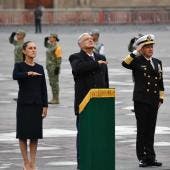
(87, 74)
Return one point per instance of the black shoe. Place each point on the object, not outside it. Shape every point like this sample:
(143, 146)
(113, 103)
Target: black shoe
(155, 163)
(143, 163)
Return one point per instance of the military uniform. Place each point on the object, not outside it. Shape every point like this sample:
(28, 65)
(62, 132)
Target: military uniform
(18, 48)
(148, 93)
(98, 47)
(53, 62)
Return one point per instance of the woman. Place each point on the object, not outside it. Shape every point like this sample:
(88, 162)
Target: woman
(31, 104)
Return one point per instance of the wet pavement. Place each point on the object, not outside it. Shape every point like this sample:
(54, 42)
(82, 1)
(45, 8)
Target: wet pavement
(57, 150)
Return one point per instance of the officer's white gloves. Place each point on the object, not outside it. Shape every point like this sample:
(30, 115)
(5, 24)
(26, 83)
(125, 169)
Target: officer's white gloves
(136, 53)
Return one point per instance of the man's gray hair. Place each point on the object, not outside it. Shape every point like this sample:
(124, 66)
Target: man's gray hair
(82, 35)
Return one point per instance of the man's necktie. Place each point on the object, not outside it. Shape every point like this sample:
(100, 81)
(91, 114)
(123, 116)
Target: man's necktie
(92, 57)
(150, 64)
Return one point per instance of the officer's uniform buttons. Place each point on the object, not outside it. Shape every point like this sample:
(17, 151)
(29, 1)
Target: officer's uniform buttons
(156, 78)
(147, 90)
(155, 91)
(149, 83)
(156, 85)
(145, 68)
(149, 76)
(145, 74)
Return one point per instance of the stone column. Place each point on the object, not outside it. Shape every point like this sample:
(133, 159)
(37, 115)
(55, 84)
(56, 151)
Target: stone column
(55, 3)
(64, 3)
(7, 4)
(1, 4)
(19, 4)
(84, 3)
(12, 4)
(87, 3)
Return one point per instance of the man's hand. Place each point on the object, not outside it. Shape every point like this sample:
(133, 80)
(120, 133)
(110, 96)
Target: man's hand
(102, 62)
(44, 112)
(139, 47)
(137, 51)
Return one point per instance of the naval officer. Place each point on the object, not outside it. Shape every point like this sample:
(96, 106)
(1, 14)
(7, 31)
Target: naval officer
(147, 96)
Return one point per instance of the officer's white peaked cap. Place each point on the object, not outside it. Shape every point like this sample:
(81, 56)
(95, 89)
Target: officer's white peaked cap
(145, 40)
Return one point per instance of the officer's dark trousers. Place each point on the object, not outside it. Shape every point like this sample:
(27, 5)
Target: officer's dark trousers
(146, 116)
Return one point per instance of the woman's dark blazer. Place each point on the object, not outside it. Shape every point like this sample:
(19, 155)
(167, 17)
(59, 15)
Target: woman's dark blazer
(32, 90)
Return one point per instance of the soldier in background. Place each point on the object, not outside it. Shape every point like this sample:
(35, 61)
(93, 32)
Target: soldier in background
(148, 95)
(53, 62)
(38, 15)
(98, 47)
(17, 39)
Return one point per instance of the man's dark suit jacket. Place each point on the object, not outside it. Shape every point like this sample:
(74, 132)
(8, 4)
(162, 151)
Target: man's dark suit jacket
(87, 74)
(32, 90)
(148, 81)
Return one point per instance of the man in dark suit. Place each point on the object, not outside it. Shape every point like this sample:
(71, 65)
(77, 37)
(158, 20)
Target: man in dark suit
(148, 96)
(89, 71)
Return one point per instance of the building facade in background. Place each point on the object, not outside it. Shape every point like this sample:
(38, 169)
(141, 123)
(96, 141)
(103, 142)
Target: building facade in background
(19, 12)
(29, 4)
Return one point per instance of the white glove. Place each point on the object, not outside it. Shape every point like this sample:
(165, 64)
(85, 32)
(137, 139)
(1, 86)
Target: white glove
(136, 53)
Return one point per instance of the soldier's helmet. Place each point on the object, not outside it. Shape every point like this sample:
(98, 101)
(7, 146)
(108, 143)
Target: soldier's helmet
(95, 32)
(55, 36)
(21, 31)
